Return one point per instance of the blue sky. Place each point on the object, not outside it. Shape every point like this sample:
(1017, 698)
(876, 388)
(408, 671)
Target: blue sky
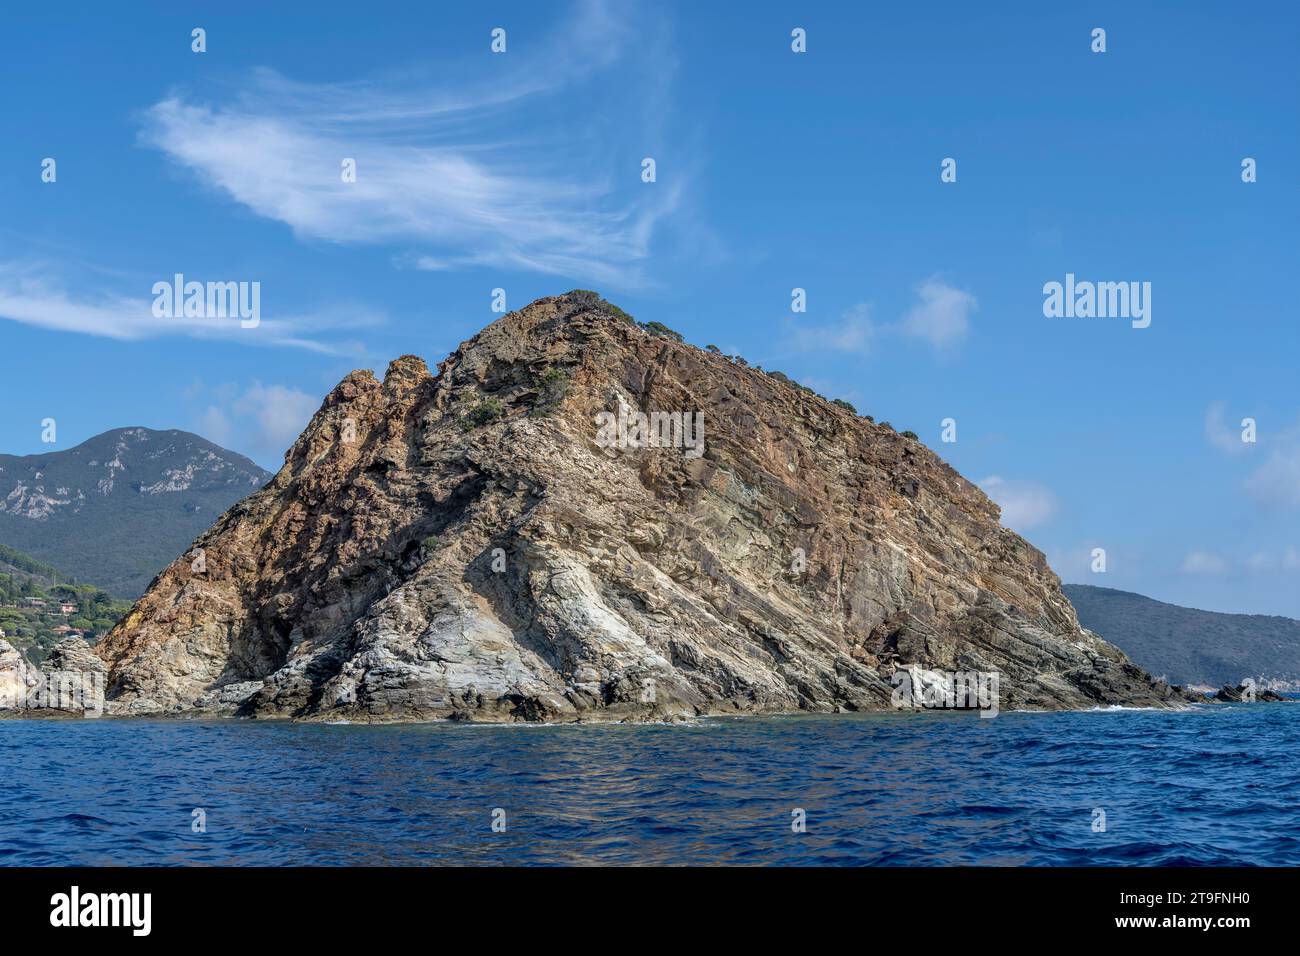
(775, 170)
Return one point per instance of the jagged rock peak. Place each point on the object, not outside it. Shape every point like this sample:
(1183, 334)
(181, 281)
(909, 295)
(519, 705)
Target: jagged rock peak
(406, 370)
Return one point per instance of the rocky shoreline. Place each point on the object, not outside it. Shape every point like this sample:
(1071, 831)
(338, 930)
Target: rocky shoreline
(72, 656)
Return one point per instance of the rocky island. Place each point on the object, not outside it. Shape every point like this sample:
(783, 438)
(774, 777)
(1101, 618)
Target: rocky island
(530, 534)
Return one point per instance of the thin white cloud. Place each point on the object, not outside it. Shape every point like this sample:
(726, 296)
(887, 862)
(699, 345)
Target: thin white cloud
(1220, 434)
(942, 316)
(1286, 560)
(853, 333)
(1203, 562)
(462, 176)
(33, 294)
(1024, 504)
(260, 420)
(1074, 564)
(1262, 561)
(1276, 483)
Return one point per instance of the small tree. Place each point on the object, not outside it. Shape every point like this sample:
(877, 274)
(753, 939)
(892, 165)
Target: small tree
(488, 410)
(594, 300)
(658, 328)
(552, 386)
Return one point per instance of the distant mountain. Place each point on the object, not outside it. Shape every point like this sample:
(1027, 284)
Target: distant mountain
(117, 508)
(1187, 646)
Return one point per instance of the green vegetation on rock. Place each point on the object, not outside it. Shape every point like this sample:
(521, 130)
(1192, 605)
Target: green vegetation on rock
(485, 412)
(596, 301)
(552, 386)
(40, 606)
(658, 328)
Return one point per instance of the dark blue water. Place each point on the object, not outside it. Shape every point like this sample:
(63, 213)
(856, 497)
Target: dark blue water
(1217, 785)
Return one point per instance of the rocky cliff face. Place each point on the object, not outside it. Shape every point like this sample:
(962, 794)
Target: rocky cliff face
(481, 544)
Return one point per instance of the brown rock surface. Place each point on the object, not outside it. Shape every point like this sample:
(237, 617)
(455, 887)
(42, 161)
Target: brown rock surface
(473, 552)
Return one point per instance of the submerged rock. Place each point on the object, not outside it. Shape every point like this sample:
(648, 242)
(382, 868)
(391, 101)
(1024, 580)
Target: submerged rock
(504, 541)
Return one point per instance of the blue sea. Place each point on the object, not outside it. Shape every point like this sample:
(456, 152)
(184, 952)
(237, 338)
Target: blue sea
(1213, 785)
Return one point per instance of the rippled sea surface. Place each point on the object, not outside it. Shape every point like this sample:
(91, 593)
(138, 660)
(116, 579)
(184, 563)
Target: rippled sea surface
(1215, 785)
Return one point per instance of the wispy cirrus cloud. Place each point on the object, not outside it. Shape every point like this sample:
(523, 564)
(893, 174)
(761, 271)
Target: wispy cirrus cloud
(855, 333)
(460, 173)
(35, 293)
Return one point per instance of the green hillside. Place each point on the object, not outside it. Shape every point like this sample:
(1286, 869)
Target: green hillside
(40, 606)
(1187, 646)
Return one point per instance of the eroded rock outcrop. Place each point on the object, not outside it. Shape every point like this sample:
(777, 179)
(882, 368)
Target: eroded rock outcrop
(13, 678)
(464, 545)
(69, 682)
(1243, 693)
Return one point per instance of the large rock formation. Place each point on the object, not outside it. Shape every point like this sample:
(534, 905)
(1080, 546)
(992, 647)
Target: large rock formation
(13, 678)
(70, 682)
(471, 544)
